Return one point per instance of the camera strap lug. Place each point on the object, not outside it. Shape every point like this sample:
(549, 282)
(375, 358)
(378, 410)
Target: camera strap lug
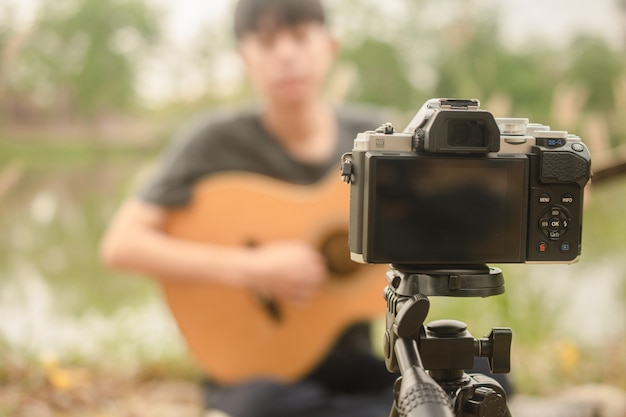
(346, 167)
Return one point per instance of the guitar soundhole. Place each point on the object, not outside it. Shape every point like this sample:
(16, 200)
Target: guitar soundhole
(337, 254)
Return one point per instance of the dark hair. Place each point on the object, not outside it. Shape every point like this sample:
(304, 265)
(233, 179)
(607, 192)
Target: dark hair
(251, 15)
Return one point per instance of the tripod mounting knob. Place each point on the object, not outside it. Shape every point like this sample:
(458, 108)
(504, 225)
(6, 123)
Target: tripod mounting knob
(485, 402)
(497, 348)
(447, 344)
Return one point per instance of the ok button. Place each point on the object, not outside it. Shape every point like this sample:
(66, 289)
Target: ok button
(555, 223)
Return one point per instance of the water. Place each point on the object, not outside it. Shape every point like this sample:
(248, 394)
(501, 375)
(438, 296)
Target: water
(34, 322)
(55, 297)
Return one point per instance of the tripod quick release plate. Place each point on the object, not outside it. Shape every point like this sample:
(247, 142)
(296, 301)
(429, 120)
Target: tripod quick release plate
(465, 281)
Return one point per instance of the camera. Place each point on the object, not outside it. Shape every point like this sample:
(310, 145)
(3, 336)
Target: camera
(459, 186)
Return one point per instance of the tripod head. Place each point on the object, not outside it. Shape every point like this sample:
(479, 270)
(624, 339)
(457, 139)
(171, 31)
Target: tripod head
(444, 348)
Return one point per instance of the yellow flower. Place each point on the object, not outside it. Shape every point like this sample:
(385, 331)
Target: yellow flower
(569, 355)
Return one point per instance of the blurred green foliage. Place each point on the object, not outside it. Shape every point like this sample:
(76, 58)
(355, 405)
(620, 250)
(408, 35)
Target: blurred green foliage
(78, 57)
(563, 87)
(382, 78)
(85, 57)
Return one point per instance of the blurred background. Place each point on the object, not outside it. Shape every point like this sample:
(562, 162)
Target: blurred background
(90, 91)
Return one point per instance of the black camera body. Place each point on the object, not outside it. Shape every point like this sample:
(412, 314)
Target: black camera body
(459, 187)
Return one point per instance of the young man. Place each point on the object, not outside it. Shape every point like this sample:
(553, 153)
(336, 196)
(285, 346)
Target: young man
(293, 136)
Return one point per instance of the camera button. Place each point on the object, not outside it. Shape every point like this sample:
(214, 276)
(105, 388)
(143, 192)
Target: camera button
(555, 223)
(542, 247)
(554, 234)
(567, 199)
(578, 147)
(544, 199)
(565, 247)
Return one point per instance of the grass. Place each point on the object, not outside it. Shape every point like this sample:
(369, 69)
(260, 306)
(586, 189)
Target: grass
(54, 154)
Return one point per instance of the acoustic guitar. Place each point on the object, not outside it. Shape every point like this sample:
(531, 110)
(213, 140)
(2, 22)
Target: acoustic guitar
(237, 335)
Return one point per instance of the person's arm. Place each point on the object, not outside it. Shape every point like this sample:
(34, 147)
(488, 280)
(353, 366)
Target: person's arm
(135, 241)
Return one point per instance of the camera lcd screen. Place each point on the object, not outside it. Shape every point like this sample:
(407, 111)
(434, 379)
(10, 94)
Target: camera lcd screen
(446, 209)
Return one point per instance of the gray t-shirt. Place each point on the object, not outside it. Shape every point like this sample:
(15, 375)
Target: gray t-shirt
(239, 142)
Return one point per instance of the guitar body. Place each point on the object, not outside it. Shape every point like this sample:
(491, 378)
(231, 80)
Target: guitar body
(231, 332)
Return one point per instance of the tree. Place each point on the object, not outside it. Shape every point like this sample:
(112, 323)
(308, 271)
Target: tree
(597, 67)
(381, 77)
(82, 55)
(476, 65)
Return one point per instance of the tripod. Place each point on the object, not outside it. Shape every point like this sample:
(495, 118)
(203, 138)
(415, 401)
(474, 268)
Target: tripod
(444, 348)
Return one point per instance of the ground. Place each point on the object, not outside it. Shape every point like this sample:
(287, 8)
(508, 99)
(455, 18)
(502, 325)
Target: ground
(78, 392)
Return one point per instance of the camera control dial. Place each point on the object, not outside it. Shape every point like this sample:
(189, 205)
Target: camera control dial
(555, 222)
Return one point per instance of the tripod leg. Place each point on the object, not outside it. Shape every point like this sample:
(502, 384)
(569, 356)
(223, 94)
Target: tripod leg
(396, 394)
(418, 395)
